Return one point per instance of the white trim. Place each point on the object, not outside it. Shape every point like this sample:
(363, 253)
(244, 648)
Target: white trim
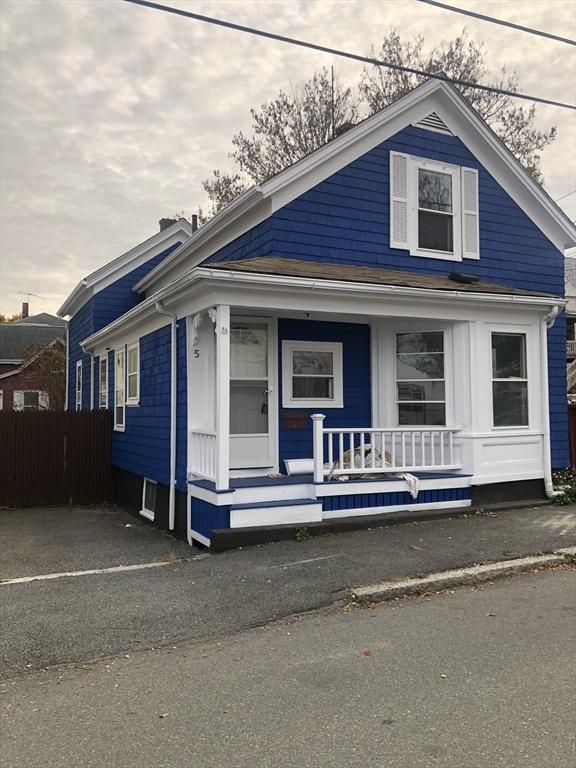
(222, 331)
(135, 399)
(276, 515)
(1, 400)
(66, 395)
(79, 385)
(149, 514)
(395, 508)
(388, 486)
(205, 494)
(289, 347)
(198, 537)
(124, 264)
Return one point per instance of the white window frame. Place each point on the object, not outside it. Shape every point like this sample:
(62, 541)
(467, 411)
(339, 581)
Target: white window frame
(103, 386)
(135, 399)
(149, 514)
(79, 384)
(288, 349)
(500, 332)
(42, 396)
(1, 400)
(453, 171)
(120, 392)
(398, 402)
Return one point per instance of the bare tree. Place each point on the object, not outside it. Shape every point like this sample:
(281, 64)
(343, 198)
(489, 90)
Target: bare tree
(461, 59)
(293, 124)
(284, 130)
(48, 365)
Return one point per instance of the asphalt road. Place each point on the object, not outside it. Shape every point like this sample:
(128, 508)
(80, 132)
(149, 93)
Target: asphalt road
(74, 619)
(477, 678)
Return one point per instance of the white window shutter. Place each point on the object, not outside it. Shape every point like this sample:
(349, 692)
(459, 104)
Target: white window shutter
(399, 168)
(43, 400)
(18, 400)
(470, 218)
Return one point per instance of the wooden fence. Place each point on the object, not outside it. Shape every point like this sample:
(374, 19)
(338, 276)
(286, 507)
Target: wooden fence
(54, 457)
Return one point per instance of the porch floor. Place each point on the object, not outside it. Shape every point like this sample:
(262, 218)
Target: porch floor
(266, 480)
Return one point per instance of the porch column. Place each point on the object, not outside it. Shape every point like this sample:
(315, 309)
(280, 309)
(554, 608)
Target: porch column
(318, 443)
(222, 396)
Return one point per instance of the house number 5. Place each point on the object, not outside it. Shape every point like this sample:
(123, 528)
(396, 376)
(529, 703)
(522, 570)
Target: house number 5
(196, 353)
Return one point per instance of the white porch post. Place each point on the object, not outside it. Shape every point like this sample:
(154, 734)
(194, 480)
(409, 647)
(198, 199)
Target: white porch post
(222, 396)
(318, 443)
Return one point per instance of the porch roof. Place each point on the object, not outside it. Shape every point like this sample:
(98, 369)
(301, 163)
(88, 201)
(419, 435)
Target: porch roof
(279, 265)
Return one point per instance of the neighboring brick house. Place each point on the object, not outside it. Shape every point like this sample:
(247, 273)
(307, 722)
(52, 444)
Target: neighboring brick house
(26, 382)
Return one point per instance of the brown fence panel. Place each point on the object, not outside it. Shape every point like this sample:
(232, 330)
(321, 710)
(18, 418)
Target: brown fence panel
(53, 457)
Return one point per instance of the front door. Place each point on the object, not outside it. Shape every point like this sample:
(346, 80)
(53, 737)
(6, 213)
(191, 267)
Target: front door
(252, 404)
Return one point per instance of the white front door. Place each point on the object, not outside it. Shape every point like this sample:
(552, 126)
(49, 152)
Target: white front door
(252, 398)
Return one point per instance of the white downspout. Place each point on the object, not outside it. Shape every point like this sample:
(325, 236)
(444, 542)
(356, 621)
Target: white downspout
(547, 323)
(91, 381)
(173, 393)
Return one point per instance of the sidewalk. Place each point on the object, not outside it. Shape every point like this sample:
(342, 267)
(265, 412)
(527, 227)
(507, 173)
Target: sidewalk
(75, 619)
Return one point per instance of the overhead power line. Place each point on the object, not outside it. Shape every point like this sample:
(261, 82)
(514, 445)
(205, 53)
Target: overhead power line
(502, 22)
(564, 196)
(344, 54)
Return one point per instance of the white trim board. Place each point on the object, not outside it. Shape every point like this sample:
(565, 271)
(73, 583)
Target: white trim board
(283, 515)
(122, 265)
(388, 486)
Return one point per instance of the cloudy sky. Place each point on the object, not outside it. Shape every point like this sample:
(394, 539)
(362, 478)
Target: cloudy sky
(112, 114)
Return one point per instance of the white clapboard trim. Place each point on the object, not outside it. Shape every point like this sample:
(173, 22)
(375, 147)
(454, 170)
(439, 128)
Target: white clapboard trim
(399, 165)
(470, 218)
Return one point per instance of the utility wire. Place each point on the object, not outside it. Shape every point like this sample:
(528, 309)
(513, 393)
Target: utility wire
(492, 20)
(563, 196)
(344, 54)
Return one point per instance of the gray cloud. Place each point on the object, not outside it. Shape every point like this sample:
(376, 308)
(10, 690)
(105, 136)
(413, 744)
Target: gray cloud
(112, 114)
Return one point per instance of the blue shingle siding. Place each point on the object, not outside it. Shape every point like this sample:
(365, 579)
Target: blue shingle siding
(256, 242)
(144, 446)
(118, 298)
(206, 517)
(402, 498)
(357, 411)
(100, 310)
(559, 444)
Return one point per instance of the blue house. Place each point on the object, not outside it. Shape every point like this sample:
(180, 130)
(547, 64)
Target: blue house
(378, 328)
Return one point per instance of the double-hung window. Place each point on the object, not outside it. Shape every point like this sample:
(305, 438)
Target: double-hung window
(103, 382)
(119, 393)
(509, 380)
(133, 374)
(30, 400)
(433, 208)
(420, 378)
(312, 374)
(79, 385)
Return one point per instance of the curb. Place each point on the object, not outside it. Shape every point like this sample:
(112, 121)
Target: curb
(476, 574)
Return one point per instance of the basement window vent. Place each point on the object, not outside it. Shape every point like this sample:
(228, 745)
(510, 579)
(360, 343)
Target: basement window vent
(148, 499)
(434, 123)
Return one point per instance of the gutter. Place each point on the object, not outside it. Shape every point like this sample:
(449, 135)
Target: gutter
(547, 323)
(173, 392)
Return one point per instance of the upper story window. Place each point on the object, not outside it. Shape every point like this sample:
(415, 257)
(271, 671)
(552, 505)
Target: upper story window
(433, 208)
(103, 382)
(30, 400)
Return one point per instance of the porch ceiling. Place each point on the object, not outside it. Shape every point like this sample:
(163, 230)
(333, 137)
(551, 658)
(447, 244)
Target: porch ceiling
(287, 267)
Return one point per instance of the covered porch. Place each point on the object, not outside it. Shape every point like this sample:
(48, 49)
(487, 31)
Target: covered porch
(310, 399)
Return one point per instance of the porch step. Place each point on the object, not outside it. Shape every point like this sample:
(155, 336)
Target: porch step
(293, 511)
(259, 493)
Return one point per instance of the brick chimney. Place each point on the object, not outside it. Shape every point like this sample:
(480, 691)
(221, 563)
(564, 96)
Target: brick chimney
(165, 223)
(25, 310)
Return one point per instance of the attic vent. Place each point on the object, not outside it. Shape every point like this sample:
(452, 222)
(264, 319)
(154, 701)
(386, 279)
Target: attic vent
(434, 123)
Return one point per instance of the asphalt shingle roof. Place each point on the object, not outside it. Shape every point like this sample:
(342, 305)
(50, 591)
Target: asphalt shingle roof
(37, 332)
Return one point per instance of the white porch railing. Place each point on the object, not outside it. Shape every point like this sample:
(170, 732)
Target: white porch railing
(364, 451)
(571, 347)
(203, 455)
